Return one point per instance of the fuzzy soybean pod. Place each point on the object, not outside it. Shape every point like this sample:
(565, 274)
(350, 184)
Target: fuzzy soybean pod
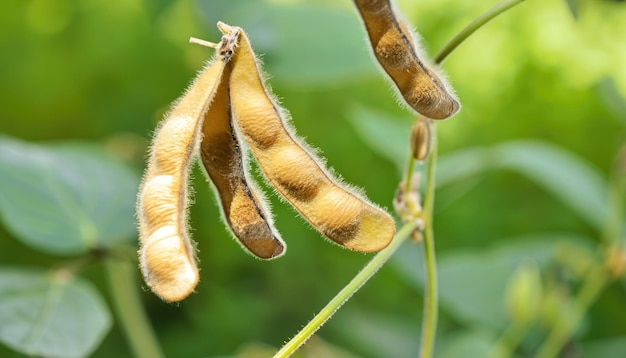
(394, 47)
(339, 213)
(221, 156)
(166, 254)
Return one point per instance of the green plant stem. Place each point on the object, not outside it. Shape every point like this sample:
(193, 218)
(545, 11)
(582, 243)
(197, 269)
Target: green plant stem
(365, 274)
(130, 312)
(595, 281)
(409, 174)
(615, 221)
(429, 326)
(454, 43)
(429, 320)
(509, 340)
(471, 28)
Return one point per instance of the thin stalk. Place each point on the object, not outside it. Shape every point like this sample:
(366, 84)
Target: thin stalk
(429, 323)
(365, 274)
(409, 174)
(596, 280)
(454, 43)
(510, 339)
(130, 312)
(431, 302)
(429, 320)
(617, 193)
(471, 28)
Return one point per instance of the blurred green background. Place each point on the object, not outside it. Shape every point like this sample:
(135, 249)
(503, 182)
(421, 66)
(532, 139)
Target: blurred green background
(106, 71)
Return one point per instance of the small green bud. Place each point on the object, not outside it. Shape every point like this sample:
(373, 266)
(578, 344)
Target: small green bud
(523, 294)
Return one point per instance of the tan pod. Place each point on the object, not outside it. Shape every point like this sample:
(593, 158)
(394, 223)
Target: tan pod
(166, 253)
(221, 156)
(340, 214)
(393, 44)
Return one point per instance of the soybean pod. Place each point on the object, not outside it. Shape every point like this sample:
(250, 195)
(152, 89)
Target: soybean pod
(394, 46)
(166, 253)
(243, 209)
(339, 213)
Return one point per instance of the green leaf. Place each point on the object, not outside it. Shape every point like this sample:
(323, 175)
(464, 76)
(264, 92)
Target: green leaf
(473, 282)
(459, 165)
(611, 96)
(380, 335)
(469, 343)
(50, 314)
(65, 199)
(385, 135)
(304, 45)
(568, 177)
(573, 6)
(610, 347)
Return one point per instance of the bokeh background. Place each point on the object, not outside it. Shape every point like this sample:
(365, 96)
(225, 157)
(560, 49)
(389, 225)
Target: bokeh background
(547, 74)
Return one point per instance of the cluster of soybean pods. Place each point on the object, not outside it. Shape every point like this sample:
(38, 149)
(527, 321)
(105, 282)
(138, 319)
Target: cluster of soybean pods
(228, 110)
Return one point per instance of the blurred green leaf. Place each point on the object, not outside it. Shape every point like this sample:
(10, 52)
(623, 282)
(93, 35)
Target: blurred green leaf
(565, 175)
(65, 199)
(471, 343)
(614, 100)
(304, 45)
(568, 177)
(573, 6)
(612, 347)
(387, 136)
(459, 165)
(472, 282)
(379, 335)
(50, 314)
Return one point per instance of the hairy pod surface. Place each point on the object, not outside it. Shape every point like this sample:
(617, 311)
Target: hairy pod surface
(394, 47)
(221, 156)
(338, 213)
(166, 253)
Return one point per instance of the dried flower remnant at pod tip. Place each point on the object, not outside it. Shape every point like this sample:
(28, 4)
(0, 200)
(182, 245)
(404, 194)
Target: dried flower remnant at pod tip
(243, 208)
(166, 254)
(394, 46)
(339, 213)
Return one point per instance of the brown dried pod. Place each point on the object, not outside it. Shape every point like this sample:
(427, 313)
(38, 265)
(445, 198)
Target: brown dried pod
(394, 46)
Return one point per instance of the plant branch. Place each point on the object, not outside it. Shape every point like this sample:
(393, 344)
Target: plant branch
(509, 340)
(130, 312)
(471, 28)
(365, 274)
(595, 281)
(429, 320)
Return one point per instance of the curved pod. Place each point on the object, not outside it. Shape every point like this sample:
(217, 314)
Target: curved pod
(422, 88)
(166, 253)
(221, 156)
(338, 213)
